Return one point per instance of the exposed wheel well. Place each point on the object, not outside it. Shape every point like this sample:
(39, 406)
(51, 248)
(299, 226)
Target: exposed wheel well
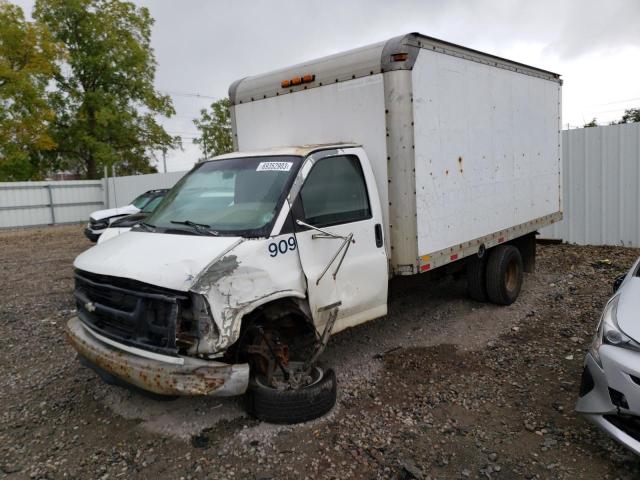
(288, 316)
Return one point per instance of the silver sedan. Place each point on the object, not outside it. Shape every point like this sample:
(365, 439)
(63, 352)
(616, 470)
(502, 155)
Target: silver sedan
(610, 387)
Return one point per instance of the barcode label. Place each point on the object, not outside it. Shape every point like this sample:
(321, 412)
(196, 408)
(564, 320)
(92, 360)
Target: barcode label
(274, 167)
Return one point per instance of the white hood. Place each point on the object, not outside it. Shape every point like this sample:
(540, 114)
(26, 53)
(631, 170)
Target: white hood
(628, 308)
(112, 212)
(166, 260)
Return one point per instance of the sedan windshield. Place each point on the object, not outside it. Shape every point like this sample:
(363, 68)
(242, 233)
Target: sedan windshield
(142, 200)
(236, 196)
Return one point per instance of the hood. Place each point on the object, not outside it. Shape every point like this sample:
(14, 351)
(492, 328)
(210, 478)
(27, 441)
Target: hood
(112, 212)
(166, 260)
(628, 308)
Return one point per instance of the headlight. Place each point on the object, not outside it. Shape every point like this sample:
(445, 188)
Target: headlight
(609, 332)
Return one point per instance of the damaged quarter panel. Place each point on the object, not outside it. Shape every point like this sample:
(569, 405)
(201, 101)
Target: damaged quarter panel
(253, 273)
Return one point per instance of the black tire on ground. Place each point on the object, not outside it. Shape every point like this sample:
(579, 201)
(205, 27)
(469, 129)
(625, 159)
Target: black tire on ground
(477, 279)
(504, 274)
(292, 406)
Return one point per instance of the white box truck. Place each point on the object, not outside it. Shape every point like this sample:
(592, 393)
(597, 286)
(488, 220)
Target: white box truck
(399, 158)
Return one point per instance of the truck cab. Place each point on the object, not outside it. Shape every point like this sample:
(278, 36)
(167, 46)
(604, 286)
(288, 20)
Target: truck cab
(293, 232)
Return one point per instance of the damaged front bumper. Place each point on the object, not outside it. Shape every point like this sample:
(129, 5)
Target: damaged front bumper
(610, 394)
(189, 376)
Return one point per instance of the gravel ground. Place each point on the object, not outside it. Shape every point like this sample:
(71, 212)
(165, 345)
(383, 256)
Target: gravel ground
(442, 387)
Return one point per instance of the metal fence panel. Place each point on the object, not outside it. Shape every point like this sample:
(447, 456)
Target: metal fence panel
(122, 190)
(24, 204)
(601, 186)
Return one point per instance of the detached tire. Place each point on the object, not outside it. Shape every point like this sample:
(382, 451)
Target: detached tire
(292, 406)
(504, 274)
(477, 279)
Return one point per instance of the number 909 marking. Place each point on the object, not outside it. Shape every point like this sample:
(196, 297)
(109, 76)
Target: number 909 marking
(282, 247)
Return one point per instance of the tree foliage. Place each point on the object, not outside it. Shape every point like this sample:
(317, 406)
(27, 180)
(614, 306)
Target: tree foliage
(592, 123)
(631, 115)
(215, 130)
(105, 101)
(28, 58)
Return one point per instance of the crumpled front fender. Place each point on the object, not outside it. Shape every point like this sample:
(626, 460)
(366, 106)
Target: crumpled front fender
(244, 278)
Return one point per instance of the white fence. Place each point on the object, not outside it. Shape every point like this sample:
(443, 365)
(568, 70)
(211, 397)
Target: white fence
(28, 204)
(601, 187)
(48, 203)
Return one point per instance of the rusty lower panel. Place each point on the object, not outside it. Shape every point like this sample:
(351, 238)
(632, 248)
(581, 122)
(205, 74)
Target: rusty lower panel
(194, 377)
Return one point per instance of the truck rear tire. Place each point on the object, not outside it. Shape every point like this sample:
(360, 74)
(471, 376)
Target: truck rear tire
(477, 279)
(504, 274)
(295, 405)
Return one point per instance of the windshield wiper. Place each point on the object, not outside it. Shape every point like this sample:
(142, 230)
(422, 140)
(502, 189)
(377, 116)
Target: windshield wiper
(201, 228)
(147, 226)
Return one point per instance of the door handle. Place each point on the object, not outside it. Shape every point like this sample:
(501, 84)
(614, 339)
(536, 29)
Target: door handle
(378, 231)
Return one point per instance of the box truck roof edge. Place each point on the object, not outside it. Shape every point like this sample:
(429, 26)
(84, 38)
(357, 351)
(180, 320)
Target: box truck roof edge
(397, 53)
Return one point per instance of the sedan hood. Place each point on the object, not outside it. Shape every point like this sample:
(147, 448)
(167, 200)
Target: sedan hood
(112, 212)
(166, 260)
(628, 315)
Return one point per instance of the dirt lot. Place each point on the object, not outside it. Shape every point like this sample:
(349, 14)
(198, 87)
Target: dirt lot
(441, 388)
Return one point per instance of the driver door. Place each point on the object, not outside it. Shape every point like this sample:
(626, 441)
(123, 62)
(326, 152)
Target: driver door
(338, 224)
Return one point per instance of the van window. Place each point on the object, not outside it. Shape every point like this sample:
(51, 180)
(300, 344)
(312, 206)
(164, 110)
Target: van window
(335, 192)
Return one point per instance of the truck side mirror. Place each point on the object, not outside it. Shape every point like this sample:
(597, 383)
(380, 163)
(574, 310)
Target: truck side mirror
(617, 282)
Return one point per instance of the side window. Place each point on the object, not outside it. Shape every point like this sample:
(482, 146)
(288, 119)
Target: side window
(335, 192)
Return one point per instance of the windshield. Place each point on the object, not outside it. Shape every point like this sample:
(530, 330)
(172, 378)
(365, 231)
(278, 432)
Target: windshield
(151, 206)
(140, 201)
(236, 196)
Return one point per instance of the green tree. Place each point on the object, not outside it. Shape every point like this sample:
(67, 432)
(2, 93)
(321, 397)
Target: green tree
(631, 115)
(214, 126)
(105, 100)
(27, 63)
(592, 123)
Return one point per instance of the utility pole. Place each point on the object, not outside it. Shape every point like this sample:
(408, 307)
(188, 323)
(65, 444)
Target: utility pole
(164, 159)
(113, 174)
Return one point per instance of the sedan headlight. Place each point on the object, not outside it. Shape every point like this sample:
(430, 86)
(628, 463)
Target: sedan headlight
(609, 332)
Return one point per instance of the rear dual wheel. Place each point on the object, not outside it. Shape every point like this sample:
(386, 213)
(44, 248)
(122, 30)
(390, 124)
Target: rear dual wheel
(497, 278)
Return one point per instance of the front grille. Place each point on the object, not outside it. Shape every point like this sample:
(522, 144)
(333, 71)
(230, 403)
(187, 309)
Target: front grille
(130, 312)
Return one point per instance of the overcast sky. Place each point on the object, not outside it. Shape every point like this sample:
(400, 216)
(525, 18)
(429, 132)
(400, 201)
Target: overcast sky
(203, 45)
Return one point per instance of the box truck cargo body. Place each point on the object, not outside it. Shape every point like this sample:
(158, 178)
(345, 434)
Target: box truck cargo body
(399, 158)
(465, 146)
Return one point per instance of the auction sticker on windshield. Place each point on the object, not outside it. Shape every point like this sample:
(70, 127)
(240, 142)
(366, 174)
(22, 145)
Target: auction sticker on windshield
(274, 166)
